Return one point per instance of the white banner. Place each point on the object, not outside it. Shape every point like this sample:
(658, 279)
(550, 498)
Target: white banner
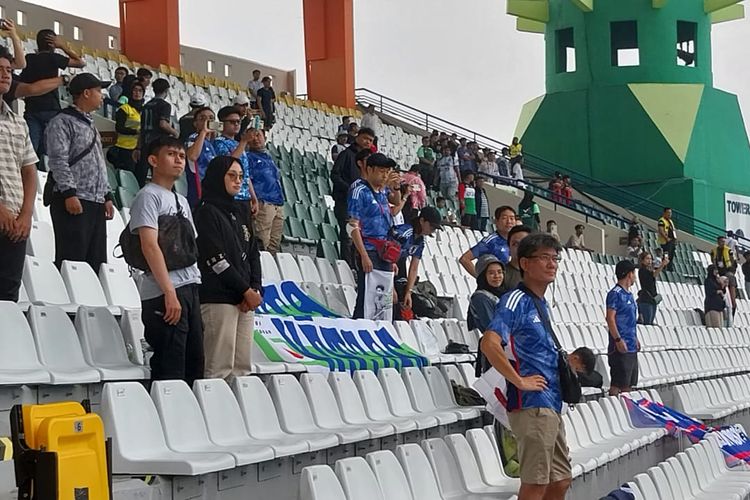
(737, 210)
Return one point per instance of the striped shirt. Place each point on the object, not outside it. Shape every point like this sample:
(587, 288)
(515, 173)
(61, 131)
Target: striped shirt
(16, 152)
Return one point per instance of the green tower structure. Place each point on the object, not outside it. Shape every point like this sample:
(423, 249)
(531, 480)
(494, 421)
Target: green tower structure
(630, 100)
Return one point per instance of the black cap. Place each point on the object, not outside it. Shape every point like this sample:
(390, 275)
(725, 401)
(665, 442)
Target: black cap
(85, 81)
(431, 215)
(380, 160)
(623, 268)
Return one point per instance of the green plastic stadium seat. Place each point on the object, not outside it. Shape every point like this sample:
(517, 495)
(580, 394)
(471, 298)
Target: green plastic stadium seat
(127, 181)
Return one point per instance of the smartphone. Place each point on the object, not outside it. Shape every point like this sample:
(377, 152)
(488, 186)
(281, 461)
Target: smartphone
(256, 121)
(216, 126)
(3, 24)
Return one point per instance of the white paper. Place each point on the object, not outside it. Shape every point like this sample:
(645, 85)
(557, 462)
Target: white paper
(487, 386)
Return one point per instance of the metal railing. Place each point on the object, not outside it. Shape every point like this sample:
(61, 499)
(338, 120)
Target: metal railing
(619, 195)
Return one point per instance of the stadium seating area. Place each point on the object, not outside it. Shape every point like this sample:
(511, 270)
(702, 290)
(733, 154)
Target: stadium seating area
(285, 431)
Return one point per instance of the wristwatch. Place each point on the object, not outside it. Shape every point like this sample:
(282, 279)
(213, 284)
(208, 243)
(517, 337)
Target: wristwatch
(618, 339)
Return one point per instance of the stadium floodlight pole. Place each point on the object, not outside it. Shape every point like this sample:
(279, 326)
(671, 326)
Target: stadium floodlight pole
(630, 100)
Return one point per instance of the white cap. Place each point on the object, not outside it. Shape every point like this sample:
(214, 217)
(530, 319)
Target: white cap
(241, 99)
(198, 100)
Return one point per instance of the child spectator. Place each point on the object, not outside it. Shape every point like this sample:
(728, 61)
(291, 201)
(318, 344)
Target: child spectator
(467, 200)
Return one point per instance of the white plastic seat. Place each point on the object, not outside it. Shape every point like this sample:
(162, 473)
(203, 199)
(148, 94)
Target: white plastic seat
(390, 475)
(327, 273)
(262, 421)
(138, 444)
(41, 242)
(327, 414)
(133, 334)
(353, 409)
(58, 347)
(225, 424)
(288, 268)
(83, 286)
(103, 345)
(296, 413)
(119, 288)
(447, 471)
(358, 480)
(309, 270)
(319, 482)
(442, 393)
(488, 459)
(399, 400)
(185, 428)
(469, 468)
(346, 277)
(21, 364)
(419, 473)
(376, 404)
(44, 285)
(271, 272)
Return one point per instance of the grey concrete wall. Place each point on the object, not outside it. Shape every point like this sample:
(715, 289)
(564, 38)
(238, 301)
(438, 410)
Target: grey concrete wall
(96, 36)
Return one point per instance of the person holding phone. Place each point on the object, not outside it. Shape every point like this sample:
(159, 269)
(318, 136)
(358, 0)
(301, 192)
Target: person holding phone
(200, 151)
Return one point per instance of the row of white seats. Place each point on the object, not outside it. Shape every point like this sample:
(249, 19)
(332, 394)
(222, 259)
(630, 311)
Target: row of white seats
(430, 337)
(259, 423)
(50, 349)
(669, 367)
(76, 284)
(698, 473)
(714, 399)
(455, 467)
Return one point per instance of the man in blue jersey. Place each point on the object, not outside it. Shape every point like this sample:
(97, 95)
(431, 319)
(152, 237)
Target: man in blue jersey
(370, 219)
(411, 238)
(520, 347)
(495, 243)
(622, 315)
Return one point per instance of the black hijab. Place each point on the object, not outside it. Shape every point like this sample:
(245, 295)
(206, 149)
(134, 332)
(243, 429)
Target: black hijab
(482, 284)
(214, 189)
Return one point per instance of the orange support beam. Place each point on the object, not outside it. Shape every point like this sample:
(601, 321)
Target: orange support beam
(329, 50)
(150, 31)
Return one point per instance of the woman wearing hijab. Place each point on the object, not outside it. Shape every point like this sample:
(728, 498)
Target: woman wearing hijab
(714, 303)
(490, 277)
(528, 211)
(229, 261)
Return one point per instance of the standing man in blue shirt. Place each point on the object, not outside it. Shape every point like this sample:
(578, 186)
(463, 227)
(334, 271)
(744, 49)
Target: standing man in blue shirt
(519, 346)
(370, 219)
(622, 317)
(269, 221)
(495, 243)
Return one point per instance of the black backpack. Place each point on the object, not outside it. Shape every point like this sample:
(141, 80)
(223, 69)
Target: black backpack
(425, 302)
(176, 241)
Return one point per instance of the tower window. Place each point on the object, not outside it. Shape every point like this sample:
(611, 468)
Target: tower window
(566, 51)
(687, 48)
(625, 51)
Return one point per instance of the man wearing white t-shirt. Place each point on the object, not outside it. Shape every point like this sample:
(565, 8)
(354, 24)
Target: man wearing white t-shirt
(253, 86)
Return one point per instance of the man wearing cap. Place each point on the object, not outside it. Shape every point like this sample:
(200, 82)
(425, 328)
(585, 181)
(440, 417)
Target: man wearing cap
(80, 201)
(17, 187)
(370, 220)
(344, 172)
(340, 145)
(622, 315)
(197, 101)
(242, 103)
(411, 238)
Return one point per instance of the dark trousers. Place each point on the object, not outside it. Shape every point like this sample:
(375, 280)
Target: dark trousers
(121, 158)
(668, 249)
(377, 264)
(647, 312)
(11, 270)
(178, 349)
(340, 210)
(37, 122)
(81, 237)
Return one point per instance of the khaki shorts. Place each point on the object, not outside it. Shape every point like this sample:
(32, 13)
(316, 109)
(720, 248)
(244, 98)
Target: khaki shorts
(542, 450)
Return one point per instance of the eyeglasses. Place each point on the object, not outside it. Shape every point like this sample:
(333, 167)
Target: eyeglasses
(235, 176)
(233, 122)
(546, 258)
